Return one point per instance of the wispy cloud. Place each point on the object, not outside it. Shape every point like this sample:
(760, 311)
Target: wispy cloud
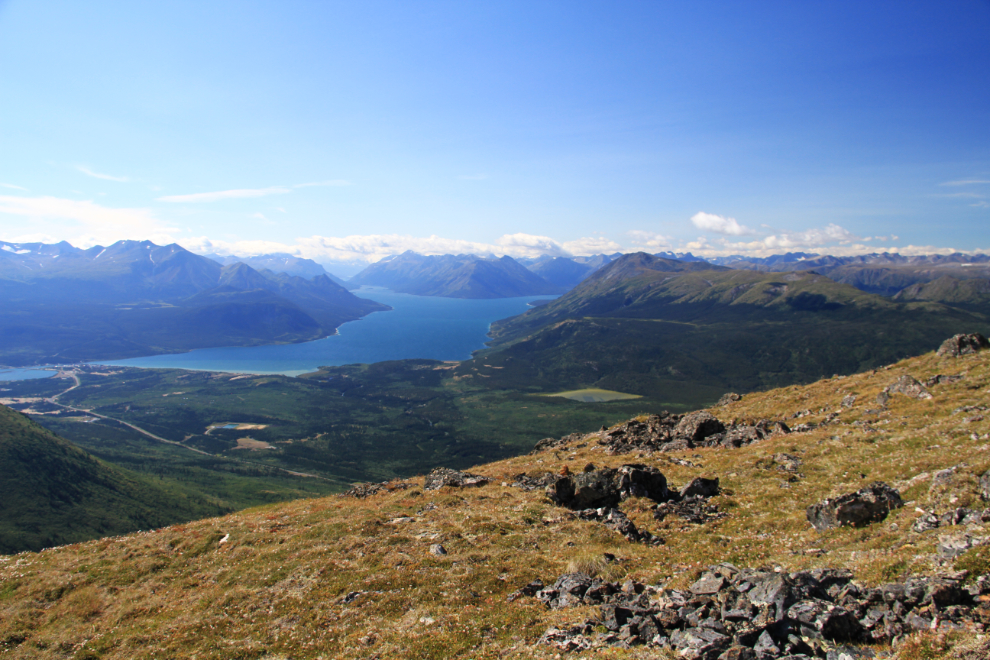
(12, 186)
(961, 194)
(720, 224)
(247, 193)
(98, 175)
(981, 205)
(239, 193)
(331, 182)
(965, 182)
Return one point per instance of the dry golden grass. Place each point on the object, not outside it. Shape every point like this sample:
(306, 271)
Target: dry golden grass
(345, 578)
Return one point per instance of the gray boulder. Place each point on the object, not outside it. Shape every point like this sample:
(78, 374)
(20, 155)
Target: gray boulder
(697, 426)
(700, 487)
(865, 506)
(962, 345)
(607, 487)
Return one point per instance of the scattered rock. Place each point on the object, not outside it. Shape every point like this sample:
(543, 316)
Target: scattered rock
(942, 380)
(952, 545)
(530, 589)
(695, 510)
(363, 490)
(437, 550)
(557, 443)
(908, 386)
(616, 520)
(441, 477)
(666, 432)
(849, 401)
(985, 485)
(529, 482)
(958, 345)
(728, 398)
(733, 614)
(787, 462)
(865, 506)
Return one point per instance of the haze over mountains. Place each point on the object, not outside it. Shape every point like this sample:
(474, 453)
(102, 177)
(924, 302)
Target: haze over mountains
(460, 276)
(136, 298)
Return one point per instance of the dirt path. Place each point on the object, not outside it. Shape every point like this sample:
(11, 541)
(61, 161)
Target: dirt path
(54, 401)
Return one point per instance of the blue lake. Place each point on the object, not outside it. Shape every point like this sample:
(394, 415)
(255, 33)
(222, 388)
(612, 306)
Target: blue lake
(416, 327)
(25, 374)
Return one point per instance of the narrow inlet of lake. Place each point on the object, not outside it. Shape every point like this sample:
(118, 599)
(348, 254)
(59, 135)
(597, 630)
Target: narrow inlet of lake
(416, 327)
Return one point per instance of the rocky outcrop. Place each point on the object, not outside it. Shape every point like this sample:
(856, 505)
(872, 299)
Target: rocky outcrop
(729, 397)
(441, 477)
(363, 490)
(962, 345)
(730, 614)
(667, 432)
(865, 506)
(958, 516)
(608, 487)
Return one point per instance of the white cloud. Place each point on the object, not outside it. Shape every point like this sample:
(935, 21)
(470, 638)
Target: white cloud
(719, 224)
(105, 177)
(965, 182)
(239, 193)
(13, 187)
(981, 205)
(528, 245)
(650, 239)
(375, 247)
(82, 223)
(812, 238)
(591, 245)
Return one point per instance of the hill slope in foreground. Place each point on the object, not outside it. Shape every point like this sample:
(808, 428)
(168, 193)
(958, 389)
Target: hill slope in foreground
(419, 573)
(53, 492)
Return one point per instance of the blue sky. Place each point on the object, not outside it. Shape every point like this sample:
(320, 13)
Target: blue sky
(348, 131)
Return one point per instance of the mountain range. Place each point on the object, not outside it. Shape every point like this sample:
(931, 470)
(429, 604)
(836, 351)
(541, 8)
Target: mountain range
(136, 298)
(649, 325)
(455, 276)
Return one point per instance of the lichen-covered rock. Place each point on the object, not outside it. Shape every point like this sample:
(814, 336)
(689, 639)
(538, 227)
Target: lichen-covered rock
(441, 477)
(962, 345)
(728, 398)
(908, 386)
(865, 506)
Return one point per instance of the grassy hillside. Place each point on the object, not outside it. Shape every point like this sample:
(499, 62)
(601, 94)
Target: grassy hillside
(345, 578)
(54, 493)
(679, 331)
